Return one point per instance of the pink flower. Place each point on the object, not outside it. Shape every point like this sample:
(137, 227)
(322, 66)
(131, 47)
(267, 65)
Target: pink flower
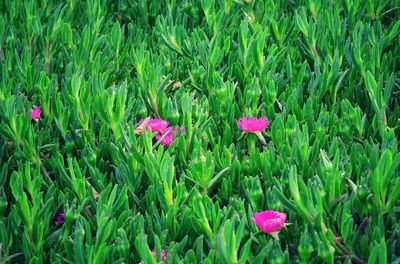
(175, 130)
(252, 124)
(156, 125)
(271, 222)
(168, 139)
(163, 254)
(59, 218)
(171, 133)
(36, 112)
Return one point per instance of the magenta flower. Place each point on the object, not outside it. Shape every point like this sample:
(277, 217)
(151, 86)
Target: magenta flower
(59, 218)
(163, 254)
(36, 112)
(171, 133)
(252, 124)
(270, 222)
(156, 125)
(168, 139)
(175, 130)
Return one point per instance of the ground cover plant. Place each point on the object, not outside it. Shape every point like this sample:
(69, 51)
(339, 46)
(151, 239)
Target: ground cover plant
(212, 131)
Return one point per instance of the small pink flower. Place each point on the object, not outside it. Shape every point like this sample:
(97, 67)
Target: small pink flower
(163, 254)
(171, 133)
(168, 139)
(271, 222)
(252, 124)
(59, 218)
(175, 130)
(156, 125)
(36, 112)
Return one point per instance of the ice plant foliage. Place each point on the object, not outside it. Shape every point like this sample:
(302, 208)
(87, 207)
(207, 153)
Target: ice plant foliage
(319, 81)
(36, 112)
(252, 124)
(270, 222)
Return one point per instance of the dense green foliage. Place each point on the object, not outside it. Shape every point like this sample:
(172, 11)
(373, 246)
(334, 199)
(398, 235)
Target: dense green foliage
(98, 66)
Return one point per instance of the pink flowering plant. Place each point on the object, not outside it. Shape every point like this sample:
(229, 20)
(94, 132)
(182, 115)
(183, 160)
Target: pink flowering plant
(154, 125)
(60, 218)
(164, 133)
(163, 254)
(199, 131)
(253, 126)
(270, 222)
(36, 112)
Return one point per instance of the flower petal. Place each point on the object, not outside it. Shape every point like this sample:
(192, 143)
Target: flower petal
(252, 124)
(270, 221)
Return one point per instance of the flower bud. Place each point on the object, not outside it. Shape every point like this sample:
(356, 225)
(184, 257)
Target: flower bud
(326, 252)
(3, 205)
(277, 256)
(141, 111)
(256, 193)
(174, 116)
(305, 247)
(345, 131)
(222, 93)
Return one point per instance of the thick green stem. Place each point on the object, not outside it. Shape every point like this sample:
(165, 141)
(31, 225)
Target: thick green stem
(251, 143)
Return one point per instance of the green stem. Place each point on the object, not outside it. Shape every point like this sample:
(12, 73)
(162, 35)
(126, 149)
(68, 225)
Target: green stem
(251, 143)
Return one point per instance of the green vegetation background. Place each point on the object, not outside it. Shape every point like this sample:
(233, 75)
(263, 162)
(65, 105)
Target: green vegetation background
(97, 67)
